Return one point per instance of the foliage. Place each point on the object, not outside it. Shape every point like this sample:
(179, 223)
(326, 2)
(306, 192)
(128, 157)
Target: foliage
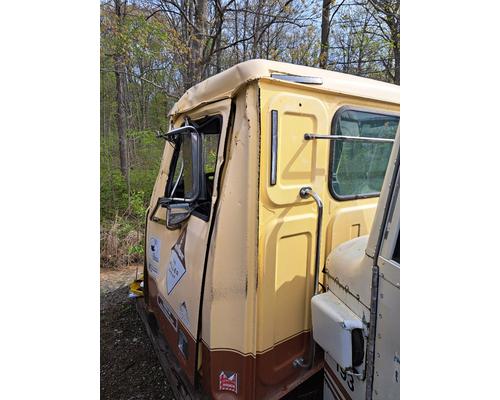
(123, 204)
(154, 50)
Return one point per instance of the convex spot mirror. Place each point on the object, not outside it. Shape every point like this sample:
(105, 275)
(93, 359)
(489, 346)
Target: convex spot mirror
(177, 213)
(185, 175)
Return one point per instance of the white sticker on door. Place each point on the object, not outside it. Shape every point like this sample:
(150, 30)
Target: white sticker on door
(176, 267)
(175, 271)
(154, 248)
(154, 255)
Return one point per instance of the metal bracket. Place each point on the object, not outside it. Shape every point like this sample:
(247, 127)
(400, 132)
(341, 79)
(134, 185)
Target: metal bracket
(339, 138)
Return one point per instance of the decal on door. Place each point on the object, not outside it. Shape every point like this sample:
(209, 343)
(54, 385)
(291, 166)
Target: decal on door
(167, 310)
(154, 256)
(183, 314)
(176, 267)
(228, 381)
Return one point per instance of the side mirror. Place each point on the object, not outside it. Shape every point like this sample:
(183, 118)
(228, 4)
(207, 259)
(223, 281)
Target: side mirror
(189, 167)
(177, 213)
(185, 176)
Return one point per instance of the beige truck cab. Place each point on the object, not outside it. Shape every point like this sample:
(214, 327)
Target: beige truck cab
(265, 172)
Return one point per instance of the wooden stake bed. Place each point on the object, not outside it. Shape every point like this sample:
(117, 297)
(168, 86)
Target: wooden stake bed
(181, 388)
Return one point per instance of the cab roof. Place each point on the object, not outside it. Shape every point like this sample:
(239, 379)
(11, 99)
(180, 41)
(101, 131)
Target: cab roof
(227, 83)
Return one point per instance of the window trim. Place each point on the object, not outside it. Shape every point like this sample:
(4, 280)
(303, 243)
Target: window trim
(196, 213)
(333, 143)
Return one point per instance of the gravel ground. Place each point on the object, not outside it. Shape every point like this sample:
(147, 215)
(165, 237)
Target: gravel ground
(129, 367)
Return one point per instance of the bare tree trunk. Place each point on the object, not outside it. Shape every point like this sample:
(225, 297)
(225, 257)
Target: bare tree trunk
(236, 35)
(121, 116)
(397, 67)
(397, 61)
(325, 34)
(245, 16)
(392, 21)
(361, 49)
(218, 67)
(200, 22)
(103, 114)
(143, 101)
(257, 29)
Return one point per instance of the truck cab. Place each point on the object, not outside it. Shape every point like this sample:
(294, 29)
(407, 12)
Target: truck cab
(263, 175)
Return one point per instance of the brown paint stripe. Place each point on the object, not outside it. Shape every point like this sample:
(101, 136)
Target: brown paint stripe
(266, 376)
(258, 352)
(337, 382)
(226, 349)
(305, 331)
(332, 387)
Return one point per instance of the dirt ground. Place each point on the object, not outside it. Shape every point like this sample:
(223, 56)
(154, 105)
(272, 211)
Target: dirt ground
(129, 368)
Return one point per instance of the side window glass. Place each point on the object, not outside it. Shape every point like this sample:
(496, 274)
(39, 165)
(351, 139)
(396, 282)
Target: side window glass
(210, 148)
(357, 168)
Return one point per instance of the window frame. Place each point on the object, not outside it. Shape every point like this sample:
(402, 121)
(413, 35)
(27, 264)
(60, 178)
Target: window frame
(333, 143)
(196, 212)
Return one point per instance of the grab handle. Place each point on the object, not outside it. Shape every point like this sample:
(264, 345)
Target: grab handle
(305, 193)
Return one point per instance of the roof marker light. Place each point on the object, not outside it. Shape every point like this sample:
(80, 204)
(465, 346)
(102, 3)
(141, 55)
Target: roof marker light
(310, 80)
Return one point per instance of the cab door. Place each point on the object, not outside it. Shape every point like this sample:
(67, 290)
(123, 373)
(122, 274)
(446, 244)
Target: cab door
(175, 254)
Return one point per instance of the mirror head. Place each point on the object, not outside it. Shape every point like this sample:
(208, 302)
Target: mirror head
(185, 177)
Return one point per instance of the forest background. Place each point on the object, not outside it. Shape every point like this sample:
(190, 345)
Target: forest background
(152, 51)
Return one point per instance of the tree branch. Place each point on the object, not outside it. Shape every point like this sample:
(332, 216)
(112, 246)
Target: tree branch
(156, 85)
